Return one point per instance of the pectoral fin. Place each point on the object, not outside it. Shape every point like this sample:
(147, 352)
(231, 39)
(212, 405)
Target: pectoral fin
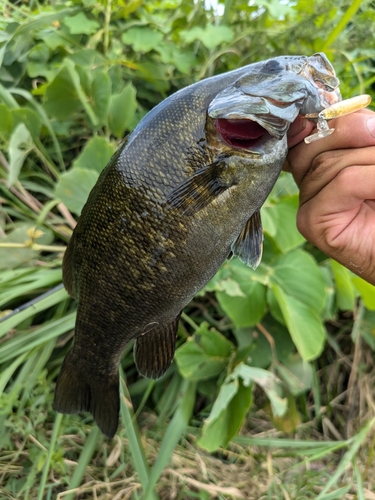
(200, 189)
(248, 247)
(154, 350)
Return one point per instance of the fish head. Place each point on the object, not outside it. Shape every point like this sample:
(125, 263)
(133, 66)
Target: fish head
(266, 99)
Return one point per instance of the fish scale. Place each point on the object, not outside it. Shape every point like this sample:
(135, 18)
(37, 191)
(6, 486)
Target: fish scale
(180, 194)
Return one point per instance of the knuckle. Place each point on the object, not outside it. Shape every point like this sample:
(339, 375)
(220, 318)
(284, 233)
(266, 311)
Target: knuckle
(322, 162)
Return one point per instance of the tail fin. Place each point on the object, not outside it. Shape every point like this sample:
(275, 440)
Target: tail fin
(76, 391)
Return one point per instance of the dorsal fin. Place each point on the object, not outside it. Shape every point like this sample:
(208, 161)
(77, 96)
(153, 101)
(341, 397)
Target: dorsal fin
(154, 350)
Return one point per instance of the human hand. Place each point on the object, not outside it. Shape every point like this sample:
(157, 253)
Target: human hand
(336, 177)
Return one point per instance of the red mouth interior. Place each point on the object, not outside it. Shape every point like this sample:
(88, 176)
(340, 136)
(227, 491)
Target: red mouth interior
(242, 134)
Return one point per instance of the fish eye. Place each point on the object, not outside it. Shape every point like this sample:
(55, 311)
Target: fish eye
(272, 66)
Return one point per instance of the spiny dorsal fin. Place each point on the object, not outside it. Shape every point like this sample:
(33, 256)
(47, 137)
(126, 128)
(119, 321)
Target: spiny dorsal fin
(248, 247)
(154, 351)
(200, 189)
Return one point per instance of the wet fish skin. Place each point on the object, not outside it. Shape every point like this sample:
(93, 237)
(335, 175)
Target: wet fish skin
(164, 215)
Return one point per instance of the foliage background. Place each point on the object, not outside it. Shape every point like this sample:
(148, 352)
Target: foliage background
(274, 370)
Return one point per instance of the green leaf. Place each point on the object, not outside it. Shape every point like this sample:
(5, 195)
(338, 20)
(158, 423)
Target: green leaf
(80, 24)
(142, 39)
(284, 214)
(300, 276)
(13, 257)
(95, 155)
(29, 118)
(122, 109)
(100, 95)
(367, 329)
(214, 432)
(61, 99)
(74, 187)
(304, 324)
(205, 355)
(366, 291)
(266, 380)
(211, 36)
(297, 375)
(218, 433)
(20, 145)
(6, 122)
(249, 307)
(345, 290)
(171, 54)
(248, 310)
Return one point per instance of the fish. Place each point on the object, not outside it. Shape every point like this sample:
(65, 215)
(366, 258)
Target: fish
(180, 195)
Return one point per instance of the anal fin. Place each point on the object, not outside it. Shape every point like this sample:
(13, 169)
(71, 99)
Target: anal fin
(248, 246)
(154, 350)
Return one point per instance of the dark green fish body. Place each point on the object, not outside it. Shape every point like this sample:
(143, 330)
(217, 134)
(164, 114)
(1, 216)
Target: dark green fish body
(178, 196)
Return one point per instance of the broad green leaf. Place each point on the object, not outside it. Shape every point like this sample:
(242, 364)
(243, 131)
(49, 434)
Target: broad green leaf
(88, 58)
(74, 187)
(171, 54)
(290, 420)
(61, 98)
(345, 290)
(80, 80)
(304, 324)
(366, 291)
(367, 329)
(300, 276)
(13, 257)
(266, 380)
(268, 220)
(52, 38)
(80, 24)
(205, 355)
(233, 408)
(230, 288)
(6, 121)
(100, 95)
(297, 374)
(122, 109)
(211, 36)
(40, 52)
(29, 118)
(20, 145)
(95, 155)
(249, 308)
(284, 213)
(142, 39)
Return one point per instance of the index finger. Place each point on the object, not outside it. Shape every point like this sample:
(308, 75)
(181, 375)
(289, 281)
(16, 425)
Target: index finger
(356, 130)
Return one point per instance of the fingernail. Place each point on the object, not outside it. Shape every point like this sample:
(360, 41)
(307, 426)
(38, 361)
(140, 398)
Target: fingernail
(371, 126)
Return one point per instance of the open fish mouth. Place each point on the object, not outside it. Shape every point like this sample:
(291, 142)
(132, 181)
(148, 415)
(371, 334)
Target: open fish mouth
(242, 134)
(266, 100)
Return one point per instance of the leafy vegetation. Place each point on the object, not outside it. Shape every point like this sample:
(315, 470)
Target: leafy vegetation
(270, 395)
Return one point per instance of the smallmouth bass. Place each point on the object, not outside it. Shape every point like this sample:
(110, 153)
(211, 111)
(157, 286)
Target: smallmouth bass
(179, 195)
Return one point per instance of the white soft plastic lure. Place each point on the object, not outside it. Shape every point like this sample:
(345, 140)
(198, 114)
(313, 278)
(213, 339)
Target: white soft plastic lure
(338, 109)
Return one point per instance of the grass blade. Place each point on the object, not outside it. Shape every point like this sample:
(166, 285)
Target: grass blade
(175, 429)
(84, 460)
(51, 448)
(347, 458)
(133, 434)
